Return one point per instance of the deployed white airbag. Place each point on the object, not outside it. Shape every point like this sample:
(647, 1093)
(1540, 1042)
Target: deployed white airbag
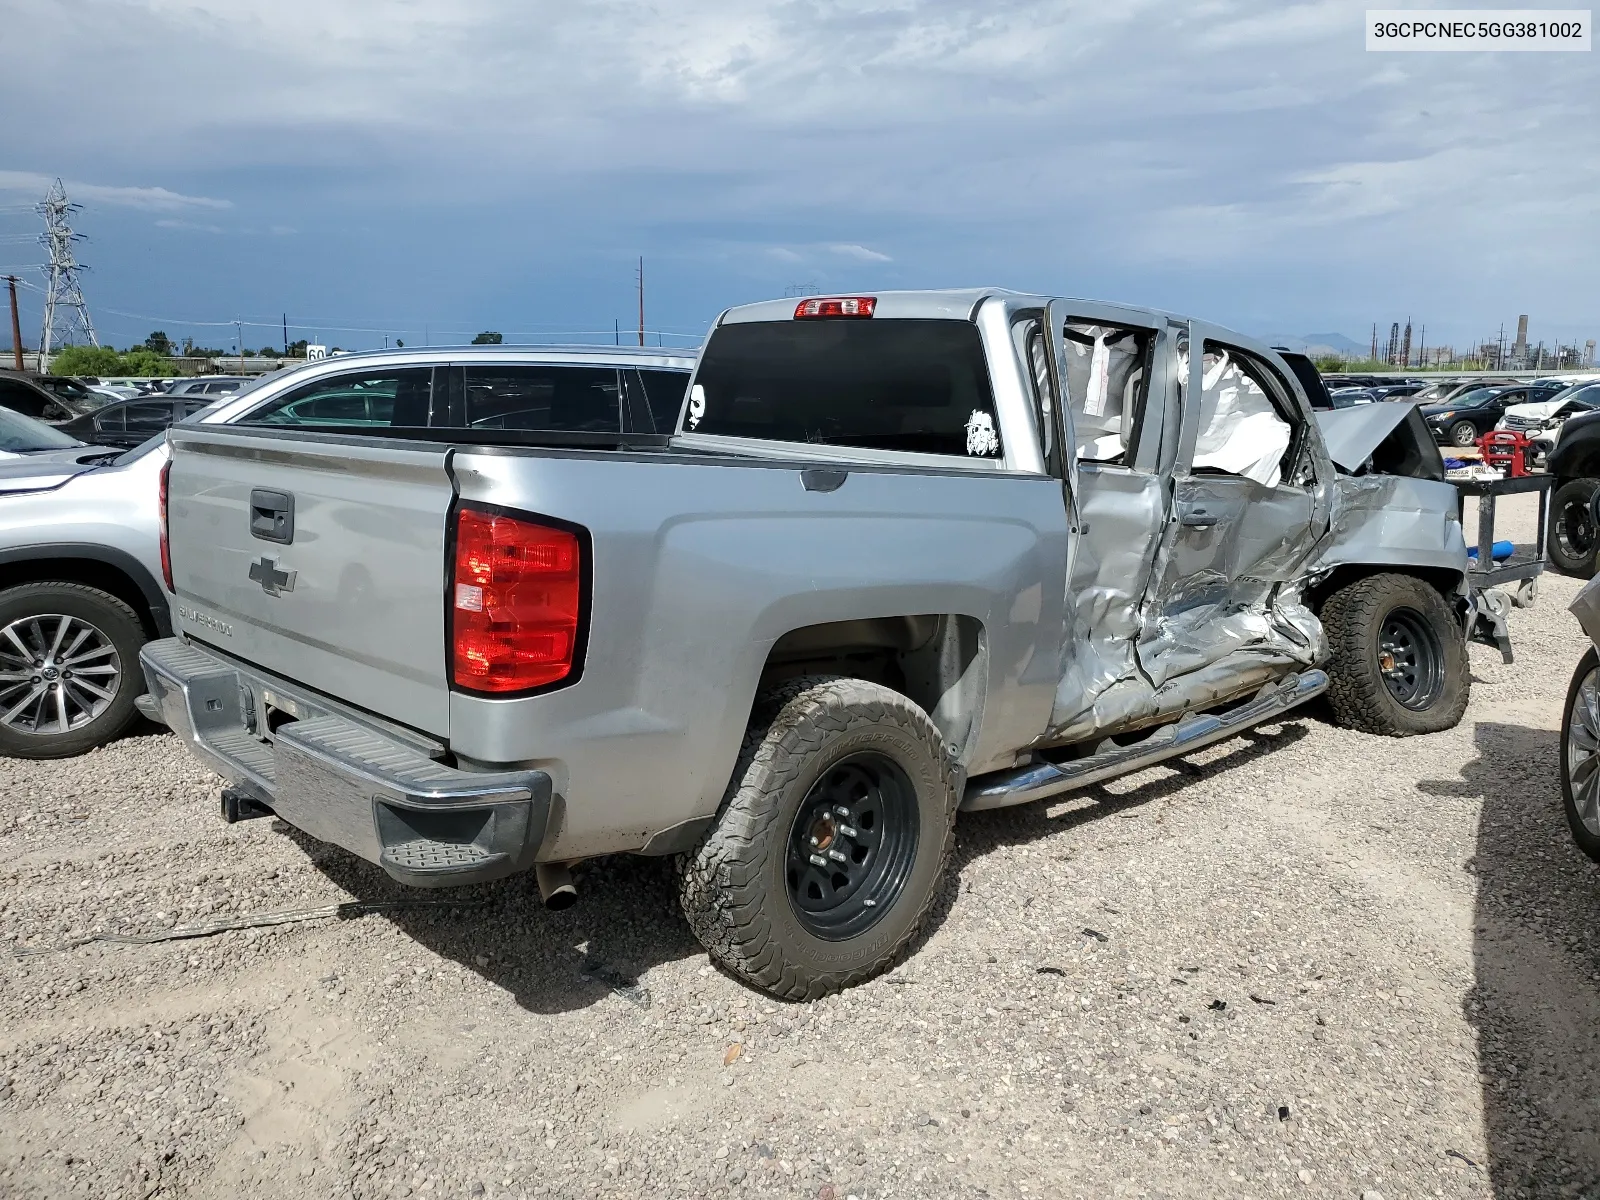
(1240, 430)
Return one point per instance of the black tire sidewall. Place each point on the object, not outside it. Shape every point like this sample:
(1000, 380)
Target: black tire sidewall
(921, 763)
(1572, 491)
(1587, 842)
(1359, 695)
(111, 617)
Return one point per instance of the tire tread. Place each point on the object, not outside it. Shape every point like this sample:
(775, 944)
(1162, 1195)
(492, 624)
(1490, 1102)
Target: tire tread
(719, 883)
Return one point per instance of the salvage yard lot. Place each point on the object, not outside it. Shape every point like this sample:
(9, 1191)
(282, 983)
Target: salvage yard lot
(1302, 962)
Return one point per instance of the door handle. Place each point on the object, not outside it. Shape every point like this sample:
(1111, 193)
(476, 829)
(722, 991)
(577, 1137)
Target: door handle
(1197, 518)
(272, 516)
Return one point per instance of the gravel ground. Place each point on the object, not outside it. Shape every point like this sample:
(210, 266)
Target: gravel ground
(1304, 962)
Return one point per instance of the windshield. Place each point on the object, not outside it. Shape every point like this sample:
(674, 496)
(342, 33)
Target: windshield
(1475, 398)
(70, 388)
(24, 435)
(909, 385)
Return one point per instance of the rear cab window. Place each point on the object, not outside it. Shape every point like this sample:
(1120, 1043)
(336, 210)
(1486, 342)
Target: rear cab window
(910, 385)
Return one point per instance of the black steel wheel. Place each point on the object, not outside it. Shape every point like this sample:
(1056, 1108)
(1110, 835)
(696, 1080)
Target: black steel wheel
(1397, 663)
(1571, 534)
(1410, 658)
(831, 841)
(851, 846)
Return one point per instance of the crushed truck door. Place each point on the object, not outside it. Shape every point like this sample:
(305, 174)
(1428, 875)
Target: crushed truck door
(1110, 388)
(1249, 504)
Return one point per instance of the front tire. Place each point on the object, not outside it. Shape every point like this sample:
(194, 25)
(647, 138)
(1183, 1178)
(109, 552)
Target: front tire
(1463, 434)
(69, 669)
(831, 841)
(1570, 538)
(1580, 755)
(1399, 659)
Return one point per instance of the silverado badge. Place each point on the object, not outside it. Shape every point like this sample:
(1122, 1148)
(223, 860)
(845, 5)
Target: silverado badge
(273, 581)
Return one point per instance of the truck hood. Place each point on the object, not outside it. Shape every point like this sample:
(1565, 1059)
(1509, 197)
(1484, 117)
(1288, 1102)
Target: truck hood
(1352, 434)
(45, 470)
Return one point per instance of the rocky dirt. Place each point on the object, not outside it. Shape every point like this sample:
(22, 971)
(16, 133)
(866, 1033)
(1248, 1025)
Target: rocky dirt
(1304, 962)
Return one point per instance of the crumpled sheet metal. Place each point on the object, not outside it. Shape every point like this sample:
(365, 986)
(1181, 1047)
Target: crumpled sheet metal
(1105, 595)
(1130, 661)
(1394, 520)
(1207, 658)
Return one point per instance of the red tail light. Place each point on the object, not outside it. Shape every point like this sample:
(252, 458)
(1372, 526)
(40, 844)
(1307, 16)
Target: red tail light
(837, 306)
(166, 547)
(516, 603)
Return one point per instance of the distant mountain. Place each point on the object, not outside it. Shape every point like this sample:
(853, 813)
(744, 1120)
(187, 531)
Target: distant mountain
(1316, 344)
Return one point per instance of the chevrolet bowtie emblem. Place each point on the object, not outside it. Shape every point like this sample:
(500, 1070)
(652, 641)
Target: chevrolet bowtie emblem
(273, 581)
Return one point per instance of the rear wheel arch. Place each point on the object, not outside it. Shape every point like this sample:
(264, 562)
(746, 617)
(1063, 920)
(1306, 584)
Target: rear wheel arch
(938, 661)
(105, 568)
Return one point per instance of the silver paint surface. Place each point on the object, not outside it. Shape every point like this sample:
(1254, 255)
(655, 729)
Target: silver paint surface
(1118, 598)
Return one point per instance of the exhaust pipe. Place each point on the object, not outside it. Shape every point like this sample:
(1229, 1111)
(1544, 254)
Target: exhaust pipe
(556, 888)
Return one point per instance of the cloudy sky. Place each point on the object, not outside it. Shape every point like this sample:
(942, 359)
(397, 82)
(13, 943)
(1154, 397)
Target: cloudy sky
(429, 170)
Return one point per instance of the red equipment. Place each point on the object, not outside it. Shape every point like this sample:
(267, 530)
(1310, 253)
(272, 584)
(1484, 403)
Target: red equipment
(1509, 450)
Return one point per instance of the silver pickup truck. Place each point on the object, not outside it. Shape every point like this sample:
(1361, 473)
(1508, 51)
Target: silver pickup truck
(904, 555)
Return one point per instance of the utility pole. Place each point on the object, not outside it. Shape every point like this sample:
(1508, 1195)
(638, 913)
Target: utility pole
(617, 330)
(238, 332)
(1422, 347)
(16, 327)
(64, 289)
(641, 300)
(286, 335)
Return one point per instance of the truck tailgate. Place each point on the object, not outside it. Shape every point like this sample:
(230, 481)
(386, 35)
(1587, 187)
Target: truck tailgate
(321, 560)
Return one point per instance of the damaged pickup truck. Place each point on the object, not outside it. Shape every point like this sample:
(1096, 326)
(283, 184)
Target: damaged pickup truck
(906, 555)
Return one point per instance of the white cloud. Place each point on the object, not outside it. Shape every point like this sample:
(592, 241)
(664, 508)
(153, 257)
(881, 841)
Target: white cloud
(1214, 152)
(859, 253)
(193, 226)
(154, 199)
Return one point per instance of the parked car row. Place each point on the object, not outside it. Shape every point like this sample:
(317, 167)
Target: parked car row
(1462, 420)
(94, 414)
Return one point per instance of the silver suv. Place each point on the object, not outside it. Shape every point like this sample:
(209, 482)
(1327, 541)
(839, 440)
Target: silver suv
(80, 552)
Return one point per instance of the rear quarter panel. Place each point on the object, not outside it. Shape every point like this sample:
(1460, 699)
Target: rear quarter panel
(701, 565)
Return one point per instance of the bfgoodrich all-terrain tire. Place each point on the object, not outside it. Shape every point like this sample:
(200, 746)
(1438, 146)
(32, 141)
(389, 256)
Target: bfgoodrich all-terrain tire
(69, 669)
(1571, 536)
(1399, 657)
(831, 841)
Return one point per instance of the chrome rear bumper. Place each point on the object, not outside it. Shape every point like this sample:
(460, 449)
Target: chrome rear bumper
(423, 822)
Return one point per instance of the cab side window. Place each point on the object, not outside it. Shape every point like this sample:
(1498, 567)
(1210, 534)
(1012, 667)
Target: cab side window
(660, 400)
(1108, 381)
(564, 399)
(1247, 421)
(1108, 371)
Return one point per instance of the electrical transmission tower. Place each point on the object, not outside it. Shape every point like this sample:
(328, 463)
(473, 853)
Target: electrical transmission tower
(70, 325)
